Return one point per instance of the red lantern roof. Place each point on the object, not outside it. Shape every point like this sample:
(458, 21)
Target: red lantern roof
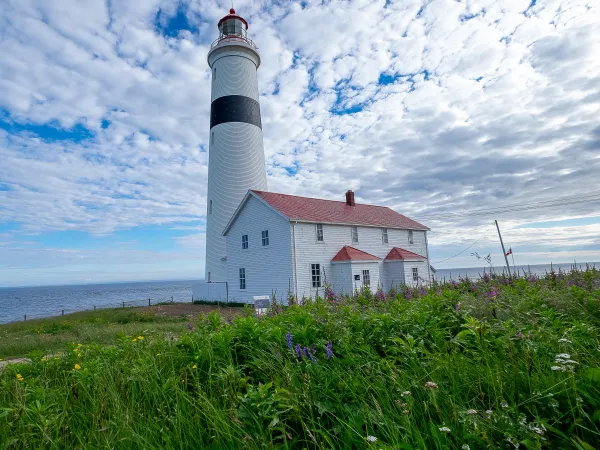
(232, 15)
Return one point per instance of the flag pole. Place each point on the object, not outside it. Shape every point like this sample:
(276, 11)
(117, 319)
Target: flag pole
(503, 250)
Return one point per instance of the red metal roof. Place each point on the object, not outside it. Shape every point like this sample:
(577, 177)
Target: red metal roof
(317, 210)
(348, 253)
(232, 15)
(400, 254)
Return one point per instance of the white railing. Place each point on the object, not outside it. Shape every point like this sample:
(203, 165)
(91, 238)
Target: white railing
(233, 38)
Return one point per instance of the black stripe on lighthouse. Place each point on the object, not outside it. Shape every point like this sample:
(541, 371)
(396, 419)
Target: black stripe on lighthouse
(235, 108)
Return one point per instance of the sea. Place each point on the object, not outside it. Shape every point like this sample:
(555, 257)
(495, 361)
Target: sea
(26, 303)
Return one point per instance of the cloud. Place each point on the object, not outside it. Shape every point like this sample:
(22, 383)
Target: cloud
(428, 108)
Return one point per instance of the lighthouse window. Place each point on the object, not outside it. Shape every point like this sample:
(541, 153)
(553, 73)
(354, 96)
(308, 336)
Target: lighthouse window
(214, 74)
(210, 207)
(212, 138)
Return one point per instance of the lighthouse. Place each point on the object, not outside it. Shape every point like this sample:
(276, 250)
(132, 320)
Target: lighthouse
(236, 159)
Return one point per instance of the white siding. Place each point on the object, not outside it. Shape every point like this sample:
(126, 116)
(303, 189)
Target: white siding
(268, 269)
(393, 274)
(309, 251)
(423, 273)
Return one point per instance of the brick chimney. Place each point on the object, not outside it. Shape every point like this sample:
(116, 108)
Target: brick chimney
(350, 198)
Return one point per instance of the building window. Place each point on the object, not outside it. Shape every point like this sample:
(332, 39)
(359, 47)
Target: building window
(209, 277)
(315, 271)
(384, 235)
(415, 274)
(319, 232)
(354, 235)
(242, 278)
(212, 138)
(210, 207)
(214, 74)
(244, 242)
(265, 238)
(410, 237)
(366, 278)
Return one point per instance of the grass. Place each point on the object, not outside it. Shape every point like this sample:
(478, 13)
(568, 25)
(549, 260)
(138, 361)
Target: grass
(99, 327)
(493, 364)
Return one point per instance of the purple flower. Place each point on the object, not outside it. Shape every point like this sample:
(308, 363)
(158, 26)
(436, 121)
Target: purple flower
(313, 349)
(309, 354)
(190, 326)
(485, 277)
(519, 335)
(454, 283)
(330, 295)
(570, 283)
(380, 294)
(328, 350)
(422, 290)
(298, 351)
(532, 278)
(408, 294)
(492, 294)
(458, 306)
(288, 338)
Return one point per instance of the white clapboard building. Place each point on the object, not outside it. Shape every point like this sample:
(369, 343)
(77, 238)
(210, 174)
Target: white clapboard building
(258, 242)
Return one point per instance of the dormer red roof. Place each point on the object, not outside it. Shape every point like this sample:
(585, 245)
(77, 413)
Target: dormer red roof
(348, 253)
(400, 254)
(305, 209)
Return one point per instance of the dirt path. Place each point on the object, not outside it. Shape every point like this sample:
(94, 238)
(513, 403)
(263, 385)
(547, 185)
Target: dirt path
(191, 310)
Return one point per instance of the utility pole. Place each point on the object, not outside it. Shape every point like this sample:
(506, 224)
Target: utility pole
(503, 250)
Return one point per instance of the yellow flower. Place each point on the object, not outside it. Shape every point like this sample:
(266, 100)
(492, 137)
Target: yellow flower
(79, 345)
(75, 350)
(133, 340)
(194, 366)
(19, 377)
(141, 338)
(77, 367)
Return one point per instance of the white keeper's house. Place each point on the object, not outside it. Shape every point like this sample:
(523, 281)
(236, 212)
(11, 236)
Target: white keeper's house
(284, 243)
(260, 242)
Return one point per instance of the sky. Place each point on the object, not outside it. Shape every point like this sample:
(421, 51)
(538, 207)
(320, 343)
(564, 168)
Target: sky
(454, 113)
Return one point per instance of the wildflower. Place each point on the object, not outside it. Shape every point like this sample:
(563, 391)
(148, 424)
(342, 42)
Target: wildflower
(504, 404)
(140, 338)
(79, 345)
(380, 295)
(565, 340)
(489, 412)
(309, 354)
(458, 306)
(194, 366)
(492, 294)
(76, 367)
(445, 429)
(471, 411)
(563, 356)
(555, 368)
(190, 326)
(288, 338)
(519, 335)
(371, 439)
(298, 351)
(19, 377)
(328, 350)
(431, 385)
(466, 447)
(406, 394)
(405, 412)
(133, 340)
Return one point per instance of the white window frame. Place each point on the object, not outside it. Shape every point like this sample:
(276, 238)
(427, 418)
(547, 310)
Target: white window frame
(366, 278)
(242, 278)
(384, 236)
(245, 242)
(319, 231)
(415, 273)
(265, 238)
(411, 238)
(354, 234)
(315, 275)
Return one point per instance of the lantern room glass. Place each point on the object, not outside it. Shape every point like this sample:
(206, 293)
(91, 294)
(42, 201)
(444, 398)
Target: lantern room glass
(233, 27)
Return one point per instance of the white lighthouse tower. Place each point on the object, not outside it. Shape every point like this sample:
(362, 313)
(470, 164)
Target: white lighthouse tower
(236, 159)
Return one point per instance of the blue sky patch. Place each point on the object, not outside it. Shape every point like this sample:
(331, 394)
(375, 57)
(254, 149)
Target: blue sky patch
(51, 131)
(564, 223)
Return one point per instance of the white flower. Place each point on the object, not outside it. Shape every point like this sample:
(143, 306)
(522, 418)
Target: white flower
(431, 385)
(406, 394)
(504, 404)
(471, 411)
(562, 369)
(565, 340)
(563, 356)
(371, 439)
(570, 361)
(489, 412)
(445, 429)
(466, 447)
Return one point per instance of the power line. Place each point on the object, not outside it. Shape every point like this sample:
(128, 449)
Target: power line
(515, 207)
(460, 253)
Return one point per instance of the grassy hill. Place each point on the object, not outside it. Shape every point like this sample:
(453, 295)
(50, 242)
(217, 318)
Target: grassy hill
(471, 365)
